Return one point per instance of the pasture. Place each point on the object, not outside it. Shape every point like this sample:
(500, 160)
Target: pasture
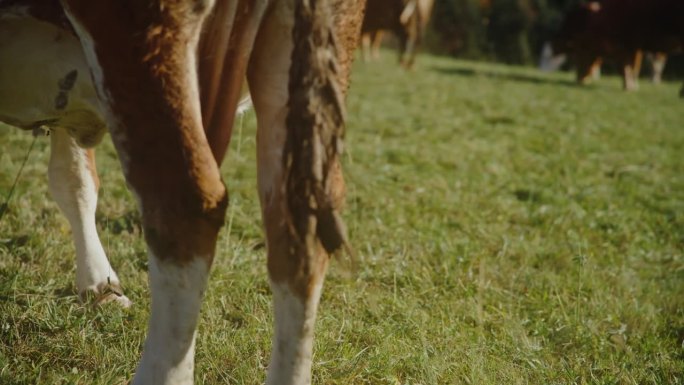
(509, 228)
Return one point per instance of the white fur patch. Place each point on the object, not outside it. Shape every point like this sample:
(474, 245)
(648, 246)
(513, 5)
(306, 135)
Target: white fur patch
(177, 291)
(293, 337)
(37, 57)
(72, 187)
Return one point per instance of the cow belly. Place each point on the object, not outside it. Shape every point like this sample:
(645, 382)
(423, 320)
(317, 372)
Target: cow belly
(45, 80)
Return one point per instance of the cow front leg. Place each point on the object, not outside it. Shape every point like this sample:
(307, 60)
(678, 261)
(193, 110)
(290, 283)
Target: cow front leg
(183, 201)
(73, 184)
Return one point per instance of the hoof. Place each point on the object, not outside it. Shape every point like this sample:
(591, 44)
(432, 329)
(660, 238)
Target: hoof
(104, 294)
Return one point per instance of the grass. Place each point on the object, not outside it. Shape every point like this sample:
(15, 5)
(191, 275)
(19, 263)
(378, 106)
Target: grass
(510, 227)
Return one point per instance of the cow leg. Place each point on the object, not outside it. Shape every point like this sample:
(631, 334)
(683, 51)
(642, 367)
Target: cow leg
(376, 42)
(366, 44)
(658, 61)
(631, 66)
(410, 55)
(296, 275)
(294, 312)
(73, 184)
(405, 47)
(145, 72)
(297, 261)
(596, 69)
(586, 67)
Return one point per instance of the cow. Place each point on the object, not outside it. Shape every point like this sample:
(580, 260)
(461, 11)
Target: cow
(163, 78)
(620, 31)
(407, 19)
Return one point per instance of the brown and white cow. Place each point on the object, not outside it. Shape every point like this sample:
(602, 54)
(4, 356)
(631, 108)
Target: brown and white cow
(164, 78)
(407, 19)
(620, 31)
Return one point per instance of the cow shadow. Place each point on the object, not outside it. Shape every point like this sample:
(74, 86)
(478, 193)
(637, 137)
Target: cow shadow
(496, 74)
(128, 222)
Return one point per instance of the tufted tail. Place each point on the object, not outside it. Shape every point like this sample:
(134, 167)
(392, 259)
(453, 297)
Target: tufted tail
(315, 126)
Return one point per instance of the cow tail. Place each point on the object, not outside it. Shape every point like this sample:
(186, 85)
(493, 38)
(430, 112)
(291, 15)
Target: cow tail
(315, 130)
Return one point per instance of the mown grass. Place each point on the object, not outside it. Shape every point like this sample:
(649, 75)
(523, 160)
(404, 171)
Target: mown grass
(510, 228)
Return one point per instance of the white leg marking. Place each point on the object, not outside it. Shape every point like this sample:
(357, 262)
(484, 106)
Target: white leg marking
(73, 188)
(658, 61)
(177, 291)
(293, 337)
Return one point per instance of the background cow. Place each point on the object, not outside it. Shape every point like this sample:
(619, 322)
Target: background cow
(620, 31)
(406, 19)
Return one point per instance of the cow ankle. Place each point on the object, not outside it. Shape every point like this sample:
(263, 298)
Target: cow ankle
(104, 293)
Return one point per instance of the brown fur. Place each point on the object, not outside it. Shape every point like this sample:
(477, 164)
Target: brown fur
(170, 165)
(222, 68)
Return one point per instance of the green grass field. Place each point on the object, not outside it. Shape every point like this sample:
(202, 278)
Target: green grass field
(510, 228)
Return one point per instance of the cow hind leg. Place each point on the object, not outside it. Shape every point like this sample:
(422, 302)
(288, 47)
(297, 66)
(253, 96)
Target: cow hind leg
(294, 311)
(296, 271)
(74, 184)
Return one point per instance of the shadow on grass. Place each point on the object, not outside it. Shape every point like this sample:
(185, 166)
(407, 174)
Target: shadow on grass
(14, 242)
(129, 223)
(517, 77)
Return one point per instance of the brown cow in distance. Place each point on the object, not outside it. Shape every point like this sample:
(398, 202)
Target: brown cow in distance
(164, 78)
(406, 19)
(620, 31)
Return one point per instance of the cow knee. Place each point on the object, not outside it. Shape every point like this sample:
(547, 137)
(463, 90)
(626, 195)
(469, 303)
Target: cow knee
(182, 223)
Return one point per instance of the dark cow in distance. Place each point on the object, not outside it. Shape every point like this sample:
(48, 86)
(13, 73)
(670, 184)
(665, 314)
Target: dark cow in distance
(620, 31)
(406, 19)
